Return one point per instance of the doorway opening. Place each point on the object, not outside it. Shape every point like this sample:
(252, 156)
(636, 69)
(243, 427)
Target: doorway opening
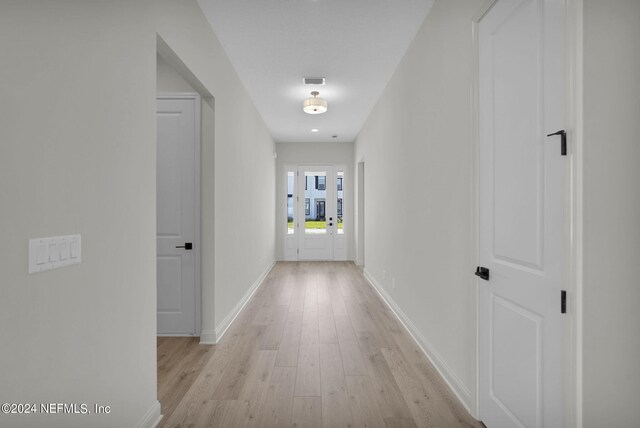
(315, 212)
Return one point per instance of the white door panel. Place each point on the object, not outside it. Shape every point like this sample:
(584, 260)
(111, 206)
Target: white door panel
(521, 47)
(178, 133)
(316, 213)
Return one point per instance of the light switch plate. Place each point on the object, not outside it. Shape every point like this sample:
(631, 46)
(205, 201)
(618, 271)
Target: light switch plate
(55, 252)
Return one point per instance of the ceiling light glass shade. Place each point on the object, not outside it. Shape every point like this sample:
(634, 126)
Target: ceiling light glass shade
(314, 105)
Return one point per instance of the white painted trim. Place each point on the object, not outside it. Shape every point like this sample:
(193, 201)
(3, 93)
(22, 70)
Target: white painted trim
(455, 384)
(151, 418)
(208, 337)
(475, 191)
(229, 319)
(286, 256)
(575, 121)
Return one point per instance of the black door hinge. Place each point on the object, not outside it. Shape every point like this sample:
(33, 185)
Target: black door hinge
(563, 302)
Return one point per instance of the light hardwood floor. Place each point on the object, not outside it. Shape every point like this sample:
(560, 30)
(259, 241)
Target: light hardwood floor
(315, 347)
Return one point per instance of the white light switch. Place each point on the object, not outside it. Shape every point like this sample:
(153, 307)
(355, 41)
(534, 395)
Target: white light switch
(56, 252)
(64, 251)
(53, 253)
(42, 254)
(75, 248)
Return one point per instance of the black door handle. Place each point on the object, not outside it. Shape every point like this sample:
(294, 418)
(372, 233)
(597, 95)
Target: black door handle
(186, 246)
(482, 272)
(563, 141)
(330, 224)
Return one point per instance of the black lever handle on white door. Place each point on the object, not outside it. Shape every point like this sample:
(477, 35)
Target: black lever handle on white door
(186, 246)
(482, 272)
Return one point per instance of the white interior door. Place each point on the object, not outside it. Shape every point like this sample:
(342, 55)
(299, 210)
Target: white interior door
(177, 200)
(317, 221)
(522, 196)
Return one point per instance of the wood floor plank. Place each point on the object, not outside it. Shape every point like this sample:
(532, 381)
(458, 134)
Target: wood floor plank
(198, 397)
(362, 400)
(307, 412)
(400, 423)
(429, 410)
(235, 374)
(310, 328)
(409, 348)
(326, 324)
(222, 415)
(337, 304)
(253, 392)
(352, 360)
(298, 295)
(174, 384)
(335, 401)
(308, 372)
(430, 378)
(286, 292)
(324, 296)
(276, 409)
(290, 343)
(388, 395)
(273, 333)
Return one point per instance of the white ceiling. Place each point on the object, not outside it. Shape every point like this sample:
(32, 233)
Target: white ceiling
(355, 44)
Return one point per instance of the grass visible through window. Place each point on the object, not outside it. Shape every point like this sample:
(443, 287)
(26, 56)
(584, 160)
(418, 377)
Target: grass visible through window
(313, 224)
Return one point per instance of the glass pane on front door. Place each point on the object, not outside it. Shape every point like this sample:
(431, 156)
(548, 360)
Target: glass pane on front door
(290, 202)
(315, 197)
(340, 201)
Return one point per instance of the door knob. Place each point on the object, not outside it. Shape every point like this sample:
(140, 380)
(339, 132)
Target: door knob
(186, 246)
(482, 272)
(330, 224)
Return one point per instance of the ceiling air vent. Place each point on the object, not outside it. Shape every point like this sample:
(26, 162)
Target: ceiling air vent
(313, 80)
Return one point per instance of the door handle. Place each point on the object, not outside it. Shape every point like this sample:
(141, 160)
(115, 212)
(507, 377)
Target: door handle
(482, 272)
(186, 246)
(563, 141)
(330, 224)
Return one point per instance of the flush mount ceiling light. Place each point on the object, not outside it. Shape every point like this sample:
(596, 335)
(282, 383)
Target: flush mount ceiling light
(314, 105)
(315, 130)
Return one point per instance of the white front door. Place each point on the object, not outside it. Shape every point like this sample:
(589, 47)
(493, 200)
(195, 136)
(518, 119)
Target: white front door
(522, 197)
(316, 213)
(177, 196)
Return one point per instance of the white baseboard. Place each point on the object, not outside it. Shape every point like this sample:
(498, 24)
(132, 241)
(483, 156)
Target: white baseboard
(455, 384)
(208, 337)
(151, 418)
(226, 323)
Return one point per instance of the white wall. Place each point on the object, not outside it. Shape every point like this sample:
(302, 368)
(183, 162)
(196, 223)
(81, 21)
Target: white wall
(77, 155)
(318, 154)
(244, 241)
(611, 213)
(418, 152)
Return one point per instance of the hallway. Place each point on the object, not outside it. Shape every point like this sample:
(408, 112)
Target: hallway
(314, 347)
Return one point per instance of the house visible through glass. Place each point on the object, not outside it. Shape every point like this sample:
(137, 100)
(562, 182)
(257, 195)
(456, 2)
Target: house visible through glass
(315, 199)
